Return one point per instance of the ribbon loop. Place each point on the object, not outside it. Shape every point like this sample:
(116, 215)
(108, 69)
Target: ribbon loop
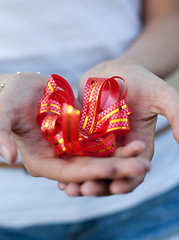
(92, 131)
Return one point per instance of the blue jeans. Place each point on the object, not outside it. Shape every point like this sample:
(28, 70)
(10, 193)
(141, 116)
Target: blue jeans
(155, 219)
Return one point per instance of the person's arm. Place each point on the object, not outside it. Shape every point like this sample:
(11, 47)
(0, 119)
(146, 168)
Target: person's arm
(155, 51)
(157, 47)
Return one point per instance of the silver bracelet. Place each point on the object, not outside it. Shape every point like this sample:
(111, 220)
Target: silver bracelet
(5, 81)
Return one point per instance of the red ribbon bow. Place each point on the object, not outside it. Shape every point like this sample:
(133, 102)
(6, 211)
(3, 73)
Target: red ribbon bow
(94, 130)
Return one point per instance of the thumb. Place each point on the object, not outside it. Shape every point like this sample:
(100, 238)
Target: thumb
(8, 149)
(169, 107)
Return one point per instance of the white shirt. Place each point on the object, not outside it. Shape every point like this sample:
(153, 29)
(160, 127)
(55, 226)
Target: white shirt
(68, 38)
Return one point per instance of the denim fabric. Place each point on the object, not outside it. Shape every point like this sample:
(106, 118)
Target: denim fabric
(156, 219)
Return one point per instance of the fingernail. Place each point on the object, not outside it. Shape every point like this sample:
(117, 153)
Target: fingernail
(62, 186)
(4, 152)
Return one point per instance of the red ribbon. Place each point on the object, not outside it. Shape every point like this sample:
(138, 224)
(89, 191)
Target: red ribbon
(93, 131)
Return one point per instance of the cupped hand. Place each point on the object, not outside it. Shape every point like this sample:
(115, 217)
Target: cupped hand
(18, 105)
(148, 96)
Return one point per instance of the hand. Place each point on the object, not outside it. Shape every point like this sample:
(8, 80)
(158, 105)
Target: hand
(148, 96)
(18, 105)
(128, 161)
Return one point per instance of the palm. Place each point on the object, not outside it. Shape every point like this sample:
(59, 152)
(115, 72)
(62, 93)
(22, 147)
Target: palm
(144, 118)
(144, 90)
(147, 96)
(23, 105)
(19, 116)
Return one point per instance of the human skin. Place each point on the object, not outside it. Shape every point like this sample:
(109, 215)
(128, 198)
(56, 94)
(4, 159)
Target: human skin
(154, 52)
(122, 172)
(18, 118)
(148, 95)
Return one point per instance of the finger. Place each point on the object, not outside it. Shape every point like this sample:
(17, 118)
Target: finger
(73, 189)
(94, 188)
(129, 167)
(37, 160)
(8, 149)
(100, 188)
(88, 188)
(125, 185)
(132, 149)
(67, 170)
(87, 168)
(80, 169)
(168, 105)
(62, 185)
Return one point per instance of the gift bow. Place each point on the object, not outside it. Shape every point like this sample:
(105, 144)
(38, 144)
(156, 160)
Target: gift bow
(93, 131)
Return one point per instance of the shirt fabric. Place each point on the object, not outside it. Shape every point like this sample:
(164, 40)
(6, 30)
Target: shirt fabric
(68, 38)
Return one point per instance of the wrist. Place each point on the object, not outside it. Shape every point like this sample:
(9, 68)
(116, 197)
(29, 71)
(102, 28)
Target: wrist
(137, 58)
(128, 59)
(123, 64)
(5, 78)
